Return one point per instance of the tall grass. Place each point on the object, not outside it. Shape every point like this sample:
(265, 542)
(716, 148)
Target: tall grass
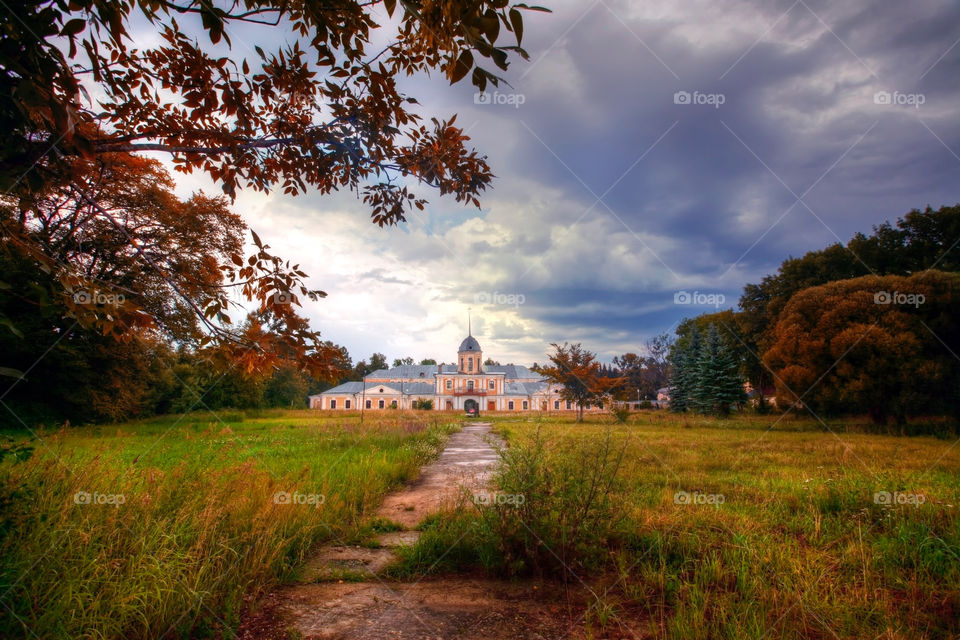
(792, 545)
(165, 528)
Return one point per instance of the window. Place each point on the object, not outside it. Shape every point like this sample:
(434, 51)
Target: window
(510, 405)
(449, 383)
(333, 403)
(469, 364)
(493, 385)
(569, 406)
(369, 404)
(525, 405)
(380, 404)
(469, 385)
(346, 404)
(556, 405)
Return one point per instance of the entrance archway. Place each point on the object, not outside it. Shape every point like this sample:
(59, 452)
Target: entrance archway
(472, 407)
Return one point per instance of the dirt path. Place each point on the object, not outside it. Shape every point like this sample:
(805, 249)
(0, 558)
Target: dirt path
(341, 594)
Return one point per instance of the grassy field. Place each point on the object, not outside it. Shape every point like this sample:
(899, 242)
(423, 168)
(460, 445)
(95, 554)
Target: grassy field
(703, 528)
(680, 527)
(165, 526)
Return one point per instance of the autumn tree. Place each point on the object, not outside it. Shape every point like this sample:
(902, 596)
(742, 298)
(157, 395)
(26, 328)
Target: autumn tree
(321, 111)
(920, 240)
(881, 345)
(579, 372)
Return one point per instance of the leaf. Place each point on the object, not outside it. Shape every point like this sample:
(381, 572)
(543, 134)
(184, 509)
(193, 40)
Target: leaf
(463, 66)
(73, 27)
(390, 6)
(517, 21)
(11, 373)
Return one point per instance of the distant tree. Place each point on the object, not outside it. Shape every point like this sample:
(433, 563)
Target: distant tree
(287, 388)
(854, 346)
(377, 361)
(490, 362)
(400, 362)
(683, 380)
(718, 385)
(578, 371)
(427, 361)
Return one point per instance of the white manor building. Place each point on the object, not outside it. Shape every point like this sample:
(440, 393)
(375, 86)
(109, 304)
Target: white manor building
(465, 386)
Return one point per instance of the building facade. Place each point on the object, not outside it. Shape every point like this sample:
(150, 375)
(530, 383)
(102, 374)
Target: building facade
(464, 386)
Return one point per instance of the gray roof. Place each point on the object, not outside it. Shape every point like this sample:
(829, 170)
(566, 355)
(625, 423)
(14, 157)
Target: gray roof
(521, 388)
(346, 387)
(513, 372)
(413, 388)
(406, 371)
(469, 344)
(407, 388)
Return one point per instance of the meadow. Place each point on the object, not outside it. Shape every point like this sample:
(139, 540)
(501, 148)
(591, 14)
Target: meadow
(694, 527)
(662, 526)
(167, 527)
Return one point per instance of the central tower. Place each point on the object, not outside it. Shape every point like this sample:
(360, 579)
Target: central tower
(469, 356)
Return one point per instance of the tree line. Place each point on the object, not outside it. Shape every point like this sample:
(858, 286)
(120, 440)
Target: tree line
(867, 327)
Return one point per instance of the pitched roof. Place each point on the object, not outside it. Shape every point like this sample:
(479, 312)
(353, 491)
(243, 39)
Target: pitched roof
(406, 371)
(346, 387)
(513, 371)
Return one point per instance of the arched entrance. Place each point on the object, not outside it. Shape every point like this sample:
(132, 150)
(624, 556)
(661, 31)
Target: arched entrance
(472, 407)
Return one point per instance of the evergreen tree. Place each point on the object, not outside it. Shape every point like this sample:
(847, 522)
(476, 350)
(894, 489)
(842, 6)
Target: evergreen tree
(683, 360)
(718, 385)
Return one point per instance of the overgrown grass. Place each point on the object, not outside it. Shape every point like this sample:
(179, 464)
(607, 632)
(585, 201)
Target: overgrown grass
(164, 527)
(721, 529)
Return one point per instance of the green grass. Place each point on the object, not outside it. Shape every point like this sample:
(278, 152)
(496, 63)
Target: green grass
(796, 547)
(198, 527)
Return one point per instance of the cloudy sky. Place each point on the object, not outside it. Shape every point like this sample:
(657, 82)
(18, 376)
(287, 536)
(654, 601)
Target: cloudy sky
(648, 148)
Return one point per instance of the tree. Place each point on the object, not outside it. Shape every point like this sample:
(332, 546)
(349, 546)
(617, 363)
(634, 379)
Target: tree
(715, 369)
(427, 361)
(400, 362)
(377, 361)
(490, 362)
(920, 240)
(869, 344)
(683, 380)
(319, 112)
(579, 373)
